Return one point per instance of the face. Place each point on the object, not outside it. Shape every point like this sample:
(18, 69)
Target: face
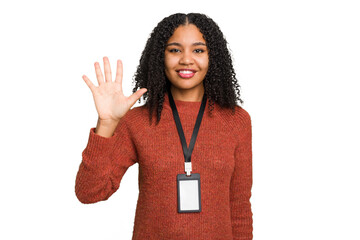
(186, 58)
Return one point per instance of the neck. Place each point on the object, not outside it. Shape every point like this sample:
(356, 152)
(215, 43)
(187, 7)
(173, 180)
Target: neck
(188, 95)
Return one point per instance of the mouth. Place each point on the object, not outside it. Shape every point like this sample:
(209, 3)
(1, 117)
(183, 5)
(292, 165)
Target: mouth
(186, 73)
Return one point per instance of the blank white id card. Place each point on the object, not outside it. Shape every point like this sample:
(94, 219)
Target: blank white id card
(188, 193)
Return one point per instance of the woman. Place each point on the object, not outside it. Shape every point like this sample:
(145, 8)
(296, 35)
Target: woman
(184, 67)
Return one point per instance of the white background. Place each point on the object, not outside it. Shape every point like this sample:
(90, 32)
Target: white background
(297, 63)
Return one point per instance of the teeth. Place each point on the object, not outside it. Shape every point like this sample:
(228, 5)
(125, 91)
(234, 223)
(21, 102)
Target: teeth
(186, 72)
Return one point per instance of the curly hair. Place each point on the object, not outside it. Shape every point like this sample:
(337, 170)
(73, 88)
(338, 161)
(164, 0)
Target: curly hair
(220, 83)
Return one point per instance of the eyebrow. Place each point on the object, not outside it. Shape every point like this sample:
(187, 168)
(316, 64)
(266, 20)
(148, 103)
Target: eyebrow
(178, 44)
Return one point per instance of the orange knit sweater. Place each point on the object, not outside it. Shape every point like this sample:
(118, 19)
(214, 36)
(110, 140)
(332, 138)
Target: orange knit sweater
(222, 156)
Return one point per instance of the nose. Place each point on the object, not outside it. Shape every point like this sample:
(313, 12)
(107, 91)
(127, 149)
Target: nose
(186, 58)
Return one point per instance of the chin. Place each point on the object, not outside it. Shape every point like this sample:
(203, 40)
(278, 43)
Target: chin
(189, 85)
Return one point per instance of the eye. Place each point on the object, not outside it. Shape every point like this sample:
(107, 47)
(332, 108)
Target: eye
(174, 50)
(199, 50)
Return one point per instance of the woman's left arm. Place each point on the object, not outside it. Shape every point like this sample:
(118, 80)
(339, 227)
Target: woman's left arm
(241, 182)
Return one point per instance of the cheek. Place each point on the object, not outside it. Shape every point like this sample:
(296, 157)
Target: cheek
(204, 64)
(166, 62)
(168, 67)
(170, 62)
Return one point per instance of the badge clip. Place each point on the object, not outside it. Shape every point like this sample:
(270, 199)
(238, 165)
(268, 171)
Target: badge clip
(188, 168)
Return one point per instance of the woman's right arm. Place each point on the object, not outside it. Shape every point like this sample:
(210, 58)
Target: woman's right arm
(104, 162)
(110, 150)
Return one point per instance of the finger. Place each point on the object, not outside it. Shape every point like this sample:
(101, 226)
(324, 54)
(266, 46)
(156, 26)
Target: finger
(133, 98)
(98, 72)
(119, 72)
(107, 69)
(89, 83)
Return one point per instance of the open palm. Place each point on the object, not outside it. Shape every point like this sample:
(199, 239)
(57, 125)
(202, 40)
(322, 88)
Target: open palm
(110, 102)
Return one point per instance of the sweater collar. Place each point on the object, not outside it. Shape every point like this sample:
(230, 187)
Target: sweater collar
(183, 106)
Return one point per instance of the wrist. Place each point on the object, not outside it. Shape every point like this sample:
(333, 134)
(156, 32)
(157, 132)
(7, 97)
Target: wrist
(106, 128)
(107, 122)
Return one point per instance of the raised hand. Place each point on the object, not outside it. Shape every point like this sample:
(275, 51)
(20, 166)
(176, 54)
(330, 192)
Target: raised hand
(110, 102)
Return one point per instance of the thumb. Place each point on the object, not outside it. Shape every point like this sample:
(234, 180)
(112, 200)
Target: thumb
(133, 98)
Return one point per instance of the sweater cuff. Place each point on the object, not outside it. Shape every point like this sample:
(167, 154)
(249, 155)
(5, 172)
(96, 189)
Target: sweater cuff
(99, 148)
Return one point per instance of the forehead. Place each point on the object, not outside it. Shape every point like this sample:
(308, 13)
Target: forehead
(186, 34)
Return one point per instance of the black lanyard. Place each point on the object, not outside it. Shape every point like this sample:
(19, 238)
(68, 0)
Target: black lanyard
(187, 151)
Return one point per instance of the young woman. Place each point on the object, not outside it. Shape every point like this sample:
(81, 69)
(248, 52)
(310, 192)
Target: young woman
(195, 165)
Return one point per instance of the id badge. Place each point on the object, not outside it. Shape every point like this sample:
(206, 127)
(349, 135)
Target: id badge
(188, 193)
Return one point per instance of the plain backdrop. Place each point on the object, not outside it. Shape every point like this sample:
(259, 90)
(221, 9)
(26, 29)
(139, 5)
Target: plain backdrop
(297, 63)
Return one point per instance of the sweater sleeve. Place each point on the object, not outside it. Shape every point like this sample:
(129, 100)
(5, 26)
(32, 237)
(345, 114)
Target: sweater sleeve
(241, 182)
(104, 162)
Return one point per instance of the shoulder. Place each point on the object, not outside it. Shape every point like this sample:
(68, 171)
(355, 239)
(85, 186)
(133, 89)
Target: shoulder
(136, 117)
(237, 123)
(244, 126)
(135, 112)
(242, 116)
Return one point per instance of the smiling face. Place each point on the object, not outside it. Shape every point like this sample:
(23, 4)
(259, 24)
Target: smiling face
(186, 60)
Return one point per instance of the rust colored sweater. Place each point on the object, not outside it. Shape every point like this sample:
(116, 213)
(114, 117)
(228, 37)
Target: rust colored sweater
(222, 155)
